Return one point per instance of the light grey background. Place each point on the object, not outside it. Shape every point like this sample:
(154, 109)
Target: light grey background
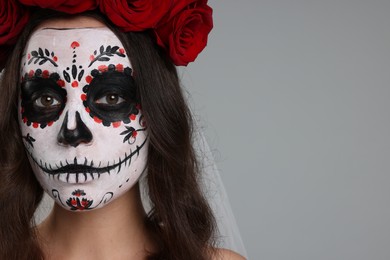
(294, 97)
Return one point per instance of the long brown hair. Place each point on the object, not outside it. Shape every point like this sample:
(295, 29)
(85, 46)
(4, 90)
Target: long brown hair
(181, 220)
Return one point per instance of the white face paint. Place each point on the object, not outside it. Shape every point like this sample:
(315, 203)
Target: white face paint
(82, 126)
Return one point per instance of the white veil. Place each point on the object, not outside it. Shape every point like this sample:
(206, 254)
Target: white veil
(228, 233)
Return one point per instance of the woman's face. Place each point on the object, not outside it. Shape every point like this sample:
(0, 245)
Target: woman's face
(81, 122)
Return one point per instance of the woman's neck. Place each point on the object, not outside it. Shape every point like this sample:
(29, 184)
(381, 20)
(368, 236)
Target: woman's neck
(116, 231)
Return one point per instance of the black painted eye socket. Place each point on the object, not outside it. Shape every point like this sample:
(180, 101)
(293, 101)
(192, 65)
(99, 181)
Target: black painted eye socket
(42, 100)
(111, 96)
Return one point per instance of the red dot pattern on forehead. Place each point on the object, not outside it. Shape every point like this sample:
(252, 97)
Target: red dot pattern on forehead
(75, 84)
(74, 74)
(74, 45)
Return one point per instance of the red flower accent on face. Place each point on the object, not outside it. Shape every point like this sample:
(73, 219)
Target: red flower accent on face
(55, 58)
(31, 73)
(132, 117)
(61, 83)
(103, 68)
(116, 124)
(88, 79)
(91, 58)
(75, 45)
(135, 15)
(83, 97)
(97, 120)
(84, 202)
(75, 84)
(66, 6)
(121, 50)
(45, 74)
(184, 35)
(119, 67)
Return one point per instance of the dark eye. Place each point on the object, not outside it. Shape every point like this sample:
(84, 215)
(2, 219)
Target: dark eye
(110, 99)
(46, 101)
(42, 100)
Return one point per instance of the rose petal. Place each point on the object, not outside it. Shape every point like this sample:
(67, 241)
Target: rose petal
(136, 15)
(66, 6)
(185, 35)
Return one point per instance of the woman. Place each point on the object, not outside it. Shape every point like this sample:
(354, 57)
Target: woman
(94, 108)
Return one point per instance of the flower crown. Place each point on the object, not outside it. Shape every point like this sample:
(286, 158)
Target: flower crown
(180, 27)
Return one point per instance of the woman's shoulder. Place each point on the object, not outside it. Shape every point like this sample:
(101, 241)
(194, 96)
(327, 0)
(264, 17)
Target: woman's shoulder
(226, 254)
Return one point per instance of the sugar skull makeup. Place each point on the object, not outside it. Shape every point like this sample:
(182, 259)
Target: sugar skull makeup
(80, 119)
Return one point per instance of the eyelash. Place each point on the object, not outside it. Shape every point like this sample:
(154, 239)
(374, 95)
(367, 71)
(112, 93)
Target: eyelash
(38, 101)
(103, 100)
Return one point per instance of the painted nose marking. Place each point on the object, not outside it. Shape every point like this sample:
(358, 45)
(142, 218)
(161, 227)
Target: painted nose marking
(75, 133)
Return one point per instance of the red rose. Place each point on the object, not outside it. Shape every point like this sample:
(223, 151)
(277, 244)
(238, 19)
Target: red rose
(184, 35)
(178, 6)
(13, 18)
(135, 15)
(66, 6)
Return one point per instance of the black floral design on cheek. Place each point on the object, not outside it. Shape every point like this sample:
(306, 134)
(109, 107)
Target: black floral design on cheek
(29, 139)
(131, 133)
(38, 84)
(106, 53)
(42, 56)
(77, 73)
(111, 80)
